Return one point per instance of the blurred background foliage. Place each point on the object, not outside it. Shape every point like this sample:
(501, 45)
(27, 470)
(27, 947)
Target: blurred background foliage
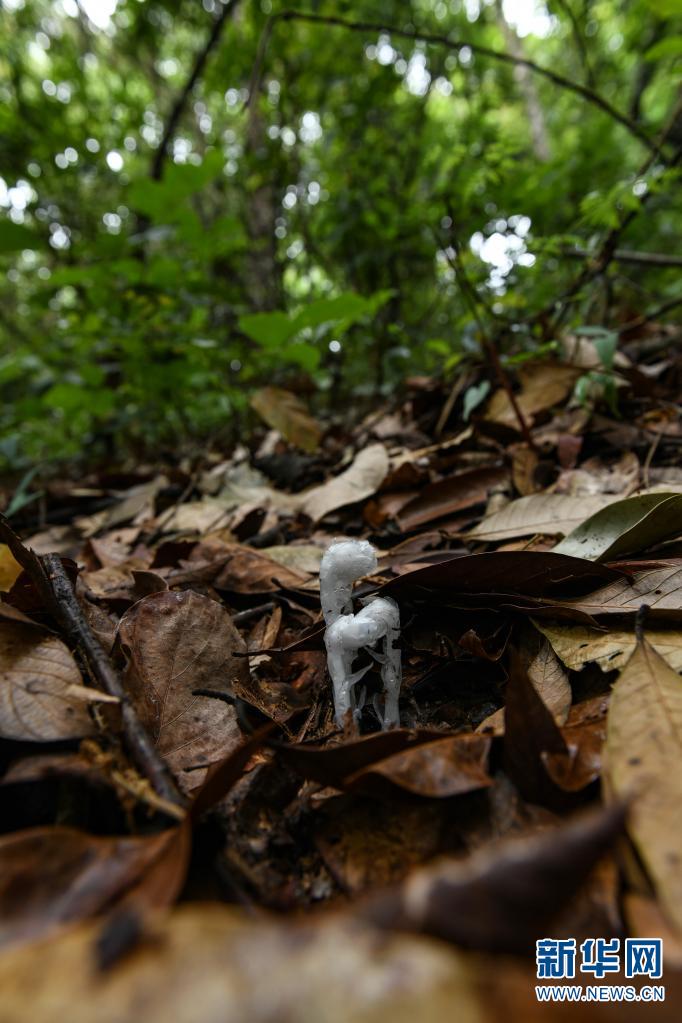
(193, 207)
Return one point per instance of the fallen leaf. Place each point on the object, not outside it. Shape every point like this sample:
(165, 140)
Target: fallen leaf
(176, 643)
(330, 765)
(135, 504)
(584, 735)
(38, 700)
(56, 875)
(303, 558)
(215, 963)
(366, 843)
(632, 524)
(549, 678)
(549, 514)
(502, 898)
(644, 750)
(542, 386)
(658, 586)
(10, 570)
(577, 645)
(533, 573)
(246, 570)
(434, 769)
(286, 413)
(529, 733)
(463, 490)
(359, 481)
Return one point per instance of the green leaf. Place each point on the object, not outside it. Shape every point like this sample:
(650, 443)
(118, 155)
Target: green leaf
(269, 329)
(666, 8)
(474, 396)
(670, 47)
(625, 527)
(15, 237)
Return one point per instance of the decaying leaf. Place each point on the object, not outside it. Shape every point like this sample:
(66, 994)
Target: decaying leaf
(214, 963)
(644, 751)
(286, 413)
(463, 490)
(177, 643)
(549, 679)
(443, 767)
(41, 697)
(625, 526)
(10, 570)
(578, 645)
(659, 586)
(52, 876)
(504, 898)
(542, 386)
(359, 481)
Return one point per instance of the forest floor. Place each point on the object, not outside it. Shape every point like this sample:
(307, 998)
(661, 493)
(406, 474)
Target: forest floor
(188, 835)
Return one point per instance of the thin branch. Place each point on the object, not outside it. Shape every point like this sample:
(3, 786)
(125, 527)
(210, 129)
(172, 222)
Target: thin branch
(181, 101)
(472, 298)
(584, 91)
(598, 264)
(579, 40)
(629, 256)
(54, 586)
(665, 307)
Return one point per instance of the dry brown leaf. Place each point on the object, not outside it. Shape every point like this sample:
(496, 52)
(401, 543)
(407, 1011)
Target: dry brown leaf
(659, 586)
(286, 413)
(52, 876)
(542, 386)
(10, 570)
(644, 751)
(247, 570)
(550, 681)
(552, 514)
(37, 676)
(463, 490)
(578, 645)
(205, 964)
(136, 504)
(177, 643)
(360, 480)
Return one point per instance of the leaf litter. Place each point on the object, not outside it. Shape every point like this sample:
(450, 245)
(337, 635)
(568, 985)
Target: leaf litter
(537, 728)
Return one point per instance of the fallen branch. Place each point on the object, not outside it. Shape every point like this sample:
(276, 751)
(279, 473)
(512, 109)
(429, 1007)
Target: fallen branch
(54, 586)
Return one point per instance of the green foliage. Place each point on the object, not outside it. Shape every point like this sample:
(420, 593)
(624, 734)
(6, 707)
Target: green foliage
(304, 236)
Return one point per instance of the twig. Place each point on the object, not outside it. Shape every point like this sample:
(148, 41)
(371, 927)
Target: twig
(54, 586)
(660, 310)
(181, 101)
(489, 345)
(579, 40)
(649, 459)
(584, 91)
(629, 256)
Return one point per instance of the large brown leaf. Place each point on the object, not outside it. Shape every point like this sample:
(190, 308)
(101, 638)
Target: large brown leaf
(532, 573)
(644, 752)
(52, 876)
(42, 697)
(359, 481)
(443, 767)
(658, 586)
(177, 643)
(463, 490)
(287, 414)
(501, 899)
